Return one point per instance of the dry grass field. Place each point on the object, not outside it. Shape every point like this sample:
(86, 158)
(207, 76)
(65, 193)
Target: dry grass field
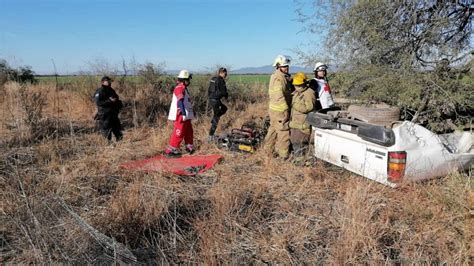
(64, 198)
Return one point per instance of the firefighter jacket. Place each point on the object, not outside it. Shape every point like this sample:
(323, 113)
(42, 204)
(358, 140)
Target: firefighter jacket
(303, 102)
(278, 104)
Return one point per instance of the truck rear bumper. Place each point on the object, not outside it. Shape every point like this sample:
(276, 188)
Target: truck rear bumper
(363, 148)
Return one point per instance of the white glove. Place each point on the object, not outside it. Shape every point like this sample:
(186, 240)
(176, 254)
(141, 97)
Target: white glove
(185, 118)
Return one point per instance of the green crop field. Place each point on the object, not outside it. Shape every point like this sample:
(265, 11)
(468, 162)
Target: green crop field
(245, 79)
(66, 79)
(249, 78)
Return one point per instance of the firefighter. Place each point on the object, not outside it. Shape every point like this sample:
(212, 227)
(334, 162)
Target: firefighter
(217, 90)
(108, 109)
(321, 86)
(303, 102)
(181, 112)
(278, 136)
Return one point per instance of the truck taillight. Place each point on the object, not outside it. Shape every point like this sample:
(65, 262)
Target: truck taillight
(396, 166)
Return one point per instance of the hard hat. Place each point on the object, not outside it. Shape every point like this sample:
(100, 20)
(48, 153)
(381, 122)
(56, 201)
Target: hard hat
(320, 66)
(282, 60)
(299, 78)
(106, 78)
(184, 74)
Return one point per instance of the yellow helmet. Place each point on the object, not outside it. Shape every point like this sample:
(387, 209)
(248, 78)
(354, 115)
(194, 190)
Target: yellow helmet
(299, 78)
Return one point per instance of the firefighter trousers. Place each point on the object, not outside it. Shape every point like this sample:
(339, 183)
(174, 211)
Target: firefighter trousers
(300, 142)
(278, 136)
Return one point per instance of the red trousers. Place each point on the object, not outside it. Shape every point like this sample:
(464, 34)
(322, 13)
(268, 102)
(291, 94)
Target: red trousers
(181, 130)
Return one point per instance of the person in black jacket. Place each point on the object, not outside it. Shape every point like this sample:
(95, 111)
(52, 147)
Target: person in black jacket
(217, 91)
(108, 108)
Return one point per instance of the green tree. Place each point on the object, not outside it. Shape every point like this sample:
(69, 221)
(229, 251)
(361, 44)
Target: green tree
(23, 74)
(4, 72)
(26, 74)
(414, 54)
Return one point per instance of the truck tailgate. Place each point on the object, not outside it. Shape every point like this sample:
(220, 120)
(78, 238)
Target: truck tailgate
(340, 149)
(351, 152)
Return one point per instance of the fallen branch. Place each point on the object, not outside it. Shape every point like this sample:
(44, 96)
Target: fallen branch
(117, 249)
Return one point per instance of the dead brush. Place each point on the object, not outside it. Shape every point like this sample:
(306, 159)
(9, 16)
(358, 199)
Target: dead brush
(250, 209)
(444, 208)
(32, 103)
(360, 226)
(14, 117)
(256, 216)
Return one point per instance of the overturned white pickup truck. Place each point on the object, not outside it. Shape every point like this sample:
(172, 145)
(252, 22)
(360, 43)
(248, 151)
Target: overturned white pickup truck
(406, 151)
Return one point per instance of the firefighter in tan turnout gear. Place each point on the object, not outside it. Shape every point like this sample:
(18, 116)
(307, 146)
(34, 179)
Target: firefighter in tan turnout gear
(303, 102)
(278, 136)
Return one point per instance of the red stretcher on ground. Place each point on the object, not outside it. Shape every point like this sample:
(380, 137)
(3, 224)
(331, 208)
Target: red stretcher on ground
(186, 165)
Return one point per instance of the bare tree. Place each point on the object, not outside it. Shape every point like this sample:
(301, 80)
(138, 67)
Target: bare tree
(100, 66)
(395, 33)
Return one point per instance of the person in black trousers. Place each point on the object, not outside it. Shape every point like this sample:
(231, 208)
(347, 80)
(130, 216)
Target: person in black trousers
(108, 109)
(217, 91)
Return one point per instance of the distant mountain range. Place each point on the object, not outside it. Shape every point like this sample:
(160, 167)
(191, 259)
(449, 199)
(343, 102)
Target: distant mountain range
(253, 70)
(268, 70)
(245, 70)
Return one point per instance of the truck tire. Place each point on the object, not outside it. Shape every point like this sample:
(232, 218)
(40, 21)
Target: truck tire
(379, 114)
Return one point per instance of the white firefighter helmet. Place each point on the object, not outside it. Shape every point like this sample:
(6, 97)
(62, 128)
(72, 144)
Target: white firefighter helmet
(282, 60)
(320, 66)
(184, 74)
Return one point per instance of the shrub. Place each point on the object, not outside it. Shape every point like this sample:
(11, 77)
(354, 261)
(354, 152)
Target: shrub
(402, 53)
(23, 74)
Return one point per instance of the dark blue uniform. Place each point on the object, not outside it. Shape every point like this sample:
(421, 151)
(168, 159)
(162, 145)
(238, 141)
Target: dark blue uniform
(108, 111)
(217, 90)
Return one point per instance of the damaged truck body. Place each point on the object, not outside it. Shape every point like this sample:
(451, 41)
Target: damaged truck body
(390, 155)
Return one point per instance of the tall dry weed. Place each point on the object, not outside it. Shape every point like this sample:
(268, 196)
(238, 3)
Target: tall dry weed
(248, 209)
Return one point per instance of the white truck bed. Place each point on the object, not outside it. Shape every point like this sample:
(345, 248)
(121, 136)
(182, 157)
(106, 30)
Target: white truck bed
(367, 149)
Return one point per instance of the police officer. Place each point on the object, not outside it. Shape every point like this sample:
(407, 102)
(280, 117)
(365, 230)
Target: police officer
(108, 108)
(217, 90)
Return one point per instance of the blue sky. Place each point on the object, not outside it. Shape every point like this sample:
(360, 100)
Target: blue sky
(182, 33)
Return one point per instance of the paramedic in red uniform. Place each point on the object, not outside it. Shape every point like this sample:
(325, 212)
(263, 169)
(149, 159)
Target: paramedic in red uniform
(181, 112)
